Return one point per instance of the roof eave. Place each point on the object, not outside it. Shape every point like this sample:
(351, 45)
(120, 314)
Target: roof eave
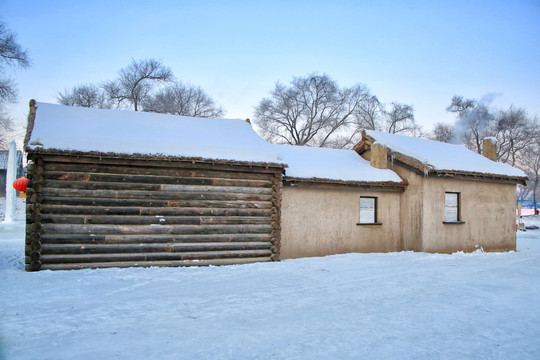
(376, 185)
(161, 157)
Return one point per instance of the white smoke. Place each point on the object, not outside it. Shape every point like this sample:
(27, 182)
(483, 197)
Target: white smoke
(476, 117)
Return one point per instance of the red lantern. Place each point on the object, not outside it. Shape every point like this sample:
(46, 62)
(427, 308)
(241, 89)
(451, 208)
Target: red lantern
(20, 184)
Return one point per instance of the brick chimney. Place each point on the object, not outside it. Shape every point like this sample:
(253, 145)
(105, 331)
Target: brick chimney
(379, 156)
(489, 148)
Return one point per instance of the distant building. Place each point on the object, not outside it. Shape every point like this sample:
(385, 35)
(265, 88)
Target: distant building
(3, 169)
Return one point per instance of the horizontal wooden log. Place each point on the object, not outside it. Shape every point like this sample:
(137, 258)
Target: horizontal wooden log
(153, 229)
(159, 238)
(35, 256)
(153, 161)
(33, 216)
(35, 246)
(36, 198)
(34, 266)
(242, 204)
(199, 255)
(34, 236)
(59, 172)
(97, 185)
(236, 186)
(34, 227)
(158, 195)
(34, 179)
(75, 249)
(219, 189)
(165, 211)
(90, 180)
(156, 219)
(177, 263)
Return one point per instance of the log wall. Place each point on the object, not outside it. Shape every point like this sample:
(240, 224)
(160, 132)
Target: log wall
(89, 212)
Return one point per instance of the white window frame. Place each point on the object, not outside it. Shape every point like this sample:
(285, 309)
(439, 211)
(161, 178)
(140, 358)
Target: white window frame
(364, 213)
(452, 207)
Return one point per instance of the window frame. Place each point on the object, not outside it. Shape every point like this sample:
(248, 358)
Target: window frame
(375, 211)
(458, 206)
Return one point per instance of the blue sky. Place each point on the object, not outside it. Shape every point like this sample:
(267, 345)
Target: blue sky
(415, 52)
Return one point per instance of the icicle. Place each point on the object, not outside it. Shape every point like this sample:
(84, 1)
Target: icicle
(392, 159)
(426, 172)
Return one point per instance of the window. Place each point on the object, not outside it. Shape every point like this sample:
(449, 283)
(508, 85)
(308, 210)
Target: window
(451, 208)
(368, 210)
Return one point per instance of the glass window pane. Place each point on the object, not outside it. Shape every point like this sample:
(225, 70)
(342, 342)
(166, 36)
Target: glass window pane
(451, 210)
(367, 210)
(450, 214)
(450, 199)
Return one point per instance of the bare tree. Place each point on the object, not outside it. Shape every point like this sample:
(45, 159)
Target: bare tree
(514, 131)
(181, 99)
(369, 113)
(87, 95)
(530, 163)
(443, 132)
(315, 111)
(135, 82)
(400, 119)
(11, 55)
(473, 124)
(458, 104)
(6, 128)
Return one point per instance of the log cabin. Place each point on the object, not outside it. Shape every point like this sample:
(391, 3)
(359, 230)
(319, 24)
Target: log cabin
(111, 188)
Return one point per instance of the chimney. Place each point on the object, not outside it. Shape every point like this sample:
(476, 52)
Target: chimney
(489, 148)
(30, 122)
(379, 156)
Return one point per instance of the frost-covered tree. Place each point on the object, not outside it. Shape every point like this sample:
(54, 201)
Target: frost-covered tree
(136, 81)
(513, 128)
(11, 55)
(400, 119)
(515, 132)
(182, 99)
(529, 161)
(443, 132)
(474, 120)
(136, 85)
(315, 111)
(310, 111)
(86, 95)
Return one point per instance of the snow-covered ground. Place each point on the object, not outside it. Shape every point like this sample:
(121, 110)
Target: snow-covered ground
(355, 306)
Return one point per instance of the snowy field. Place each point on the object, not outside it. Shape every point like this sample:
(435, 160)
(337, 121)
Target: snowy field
(356, 306)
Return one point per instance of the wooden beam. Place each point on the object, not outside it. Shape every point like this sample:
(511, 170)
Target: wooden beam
(151, 238)
(157, 256)
(177, 263)
(153, 229)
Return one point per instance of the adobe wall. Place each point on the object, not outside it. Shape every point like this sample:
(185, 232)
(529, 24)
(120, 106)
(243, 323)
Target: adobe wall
(412, 210)
(487, 208)
(320, 222)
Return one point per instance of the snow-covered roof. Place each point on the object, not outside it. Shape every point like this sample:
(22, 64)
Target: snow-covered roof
(68, 128)
(128, 132)
(333, 164)
(440, 156)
